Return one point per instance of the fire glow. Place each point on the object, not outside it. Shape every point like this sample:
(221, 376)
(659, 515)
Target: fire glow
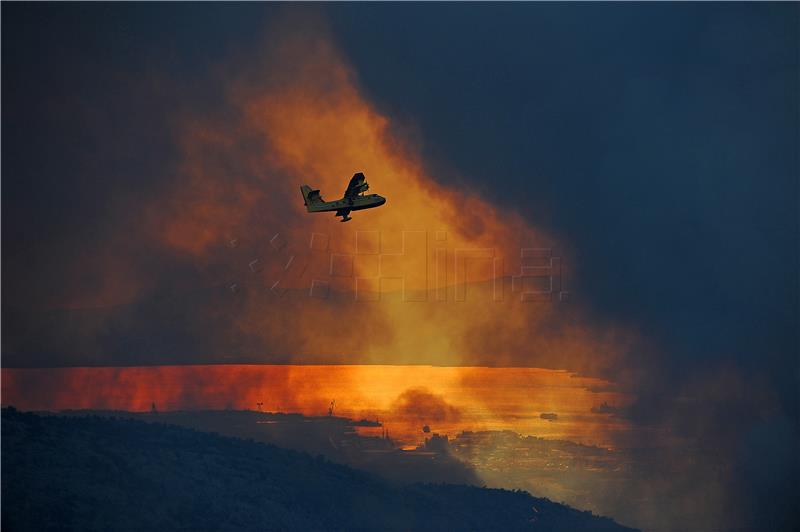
(403, 398)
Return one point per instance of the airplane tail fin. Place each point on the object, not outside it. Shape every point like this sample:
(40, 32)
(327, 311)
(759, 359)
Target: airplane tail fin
(310, 197)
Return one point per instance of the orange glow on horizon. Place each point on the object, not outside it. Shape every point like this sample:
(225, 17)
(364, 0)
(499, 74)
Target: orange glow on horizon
(448, 399)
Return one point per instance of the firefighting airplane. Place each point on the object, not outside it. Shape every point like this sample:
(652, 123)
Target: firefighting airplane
(354, 199)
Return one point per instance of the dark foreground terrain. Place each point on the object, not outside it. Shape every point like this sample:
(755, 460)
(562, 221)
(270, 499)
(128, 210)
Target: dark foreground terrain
(335, 438)
(93, 473)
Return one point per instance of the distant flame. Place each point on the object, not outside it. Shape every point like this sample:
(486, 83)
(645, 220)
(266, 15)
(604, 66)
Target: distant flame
(405, 398)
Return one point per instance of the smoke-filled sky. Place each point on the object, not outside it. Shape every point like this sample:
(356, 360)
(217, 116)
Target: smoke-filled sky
(643, 156)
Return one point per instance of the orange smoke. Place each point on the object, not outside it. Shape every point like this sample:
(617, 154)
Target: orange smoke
(297, 117)
(305, 122)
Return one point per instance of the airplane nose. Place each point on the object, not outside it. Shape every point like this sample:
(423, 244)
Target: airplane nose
(381, 200)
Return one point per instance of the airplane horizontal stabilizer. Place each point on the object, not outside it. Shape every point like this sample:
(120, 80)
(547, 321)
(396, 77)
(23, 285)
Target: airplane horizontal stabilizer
(310, 196)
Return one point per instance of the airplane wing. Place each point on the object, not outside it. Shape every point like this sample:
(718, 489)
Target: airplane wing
(358, 184)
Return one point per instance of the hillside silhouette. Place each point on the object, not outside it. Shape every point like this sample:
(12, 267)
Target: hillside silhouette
(335, 438)
(95, 473)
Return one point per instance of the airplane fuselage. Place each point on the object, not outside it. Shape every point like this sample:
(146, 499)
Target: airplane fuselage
(358, 203)
(354, 199)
